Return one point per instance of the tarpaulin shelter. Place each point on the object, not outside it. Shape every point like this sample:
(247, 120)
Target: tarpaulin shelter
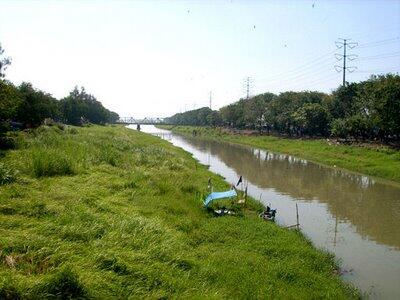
(219, 195)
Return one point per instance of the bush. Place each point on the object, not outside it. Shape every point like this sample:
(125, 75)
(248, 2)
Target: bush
(355, 126)
(339, 128)
(7, 175)
(51, 163)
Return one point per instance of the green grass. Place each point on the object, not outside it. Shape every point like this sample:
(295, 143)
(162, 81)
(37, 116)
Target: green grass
(381, 162)
(51, 162)
(108, 212)
(7, 174)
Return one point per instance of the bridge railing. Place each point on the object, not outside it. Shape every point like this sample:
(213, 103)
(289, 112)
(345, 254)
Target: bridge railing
(131, 120)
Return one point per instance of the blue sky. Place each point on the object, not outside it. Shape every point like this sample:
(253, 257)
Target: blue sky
(155, 58)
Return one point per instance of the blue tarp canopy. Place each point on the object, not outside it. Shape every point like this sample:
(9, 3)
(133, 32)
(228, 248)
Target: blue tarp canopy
(219, 195)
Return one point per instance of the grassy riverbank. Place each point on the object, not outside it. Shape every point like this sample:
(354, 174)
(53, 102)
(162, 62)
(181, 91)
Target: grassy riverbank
(381, 162)
(104, 212)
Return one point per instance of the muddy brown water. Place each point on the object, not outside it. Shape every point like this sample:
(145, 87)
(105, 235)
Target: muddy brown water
(355, 217)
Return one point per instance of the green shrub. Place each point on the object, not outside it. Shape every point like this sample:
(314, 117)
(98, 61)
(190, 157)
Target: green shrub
(339, 128)
(49, 162)
(7, 175)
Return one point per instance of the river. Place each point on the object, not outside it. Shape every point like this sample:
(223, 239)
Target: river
(355, 217)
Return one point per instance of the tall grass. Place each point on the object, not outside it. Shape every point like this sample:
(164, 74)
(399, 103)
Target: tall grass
(51, 162)
(64, 284)
(7, 174)
(136, 228)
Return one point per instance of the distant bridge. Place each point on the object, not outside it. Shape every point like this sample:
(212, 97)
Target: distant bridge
(145, 121)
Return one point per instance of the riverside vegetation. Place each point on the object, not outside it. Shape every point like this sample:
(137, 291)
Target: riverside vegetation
(368, 110)
(105, 211)
(382, 161)
(25, 106)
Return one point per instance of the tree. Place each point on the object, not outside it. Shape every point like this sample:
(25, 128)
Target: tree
(112, 117)
(197, 117)
(4, 62)
(343, 103)
(255, 110)
(81, 106)
(339, 128)
(10, 100)
(36, 106)
(368, 109)
(312, 119)
(214, 118)
(379, 101)
(233, 114)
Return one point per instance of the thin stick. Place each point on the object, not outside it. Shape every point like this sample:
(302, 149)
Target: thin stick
(295, 225)
(297, 216)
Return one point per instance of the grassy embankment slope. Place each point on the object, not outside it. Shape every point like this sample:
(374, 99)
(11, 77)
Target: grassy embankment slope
(105, 212)
(380, 162)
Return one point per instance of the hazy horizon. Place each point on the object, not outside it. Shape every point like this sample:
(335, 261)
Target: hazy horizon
(157, 58)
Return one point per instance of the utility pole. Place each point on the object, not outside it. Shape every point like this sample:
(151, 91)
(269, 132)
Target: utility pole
(210, 98)
(247, 86)
(343, 43)
(344, 61)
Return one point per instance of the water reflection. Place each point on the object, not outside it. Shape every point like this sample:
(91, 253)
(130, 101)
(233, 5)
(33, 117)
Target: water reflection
(372, 207)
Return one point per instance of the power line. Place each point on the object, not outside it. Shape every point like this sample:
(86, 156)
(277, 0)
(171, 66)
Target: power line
(308, 75)
(379, 43)
(375, 30)
(304, 71)
(321, 68)
(313, 82)
(383, 55)
(343, 43)
(310, 68)
(301, 68)
(377, 71)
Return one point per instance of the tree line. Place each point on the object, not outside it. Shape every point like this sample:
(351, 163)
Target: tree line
(199, 117)
(365, 110)
(27, 107)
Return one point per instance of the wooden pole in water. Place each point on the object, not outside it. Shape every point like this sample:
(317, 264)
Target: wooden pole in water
(297, 216)
(334, 239)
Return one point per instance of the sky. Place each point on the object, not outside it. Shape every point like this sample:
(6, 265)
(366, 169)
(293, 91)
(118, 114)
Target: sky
(157, 58)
